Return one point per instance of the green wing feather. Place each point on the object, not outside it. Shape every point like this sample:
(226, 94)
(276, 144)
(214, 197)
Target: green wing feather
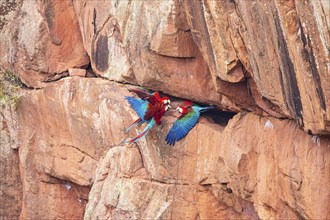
(182, 126)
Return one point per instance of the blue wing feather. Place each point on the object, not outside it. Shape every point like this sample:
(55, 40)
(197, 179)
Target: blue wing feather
(140, 106)
(183, 125)
(145, 131)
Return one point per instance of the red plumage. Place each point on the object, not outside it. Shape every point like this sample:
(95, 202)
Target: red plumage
(155, 111)
(188, 104)
(156, 106)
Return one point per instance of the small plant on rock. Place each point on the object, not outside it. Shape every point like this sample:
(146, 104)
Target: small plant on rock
(9, 85)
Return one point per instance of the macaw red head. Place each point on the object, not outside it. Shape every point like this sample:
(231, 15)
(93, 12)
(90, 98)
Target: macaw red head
(166, 101)
(182, 109)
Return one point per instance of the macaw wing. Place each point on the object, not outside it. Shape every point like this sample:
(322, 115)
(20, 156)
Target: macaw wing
(150, 97)
(182, 126)
(140, 106)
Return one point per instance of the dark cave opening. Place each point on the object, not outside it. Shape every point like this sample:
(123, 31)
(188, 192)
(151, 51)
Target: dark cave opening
(220, 117)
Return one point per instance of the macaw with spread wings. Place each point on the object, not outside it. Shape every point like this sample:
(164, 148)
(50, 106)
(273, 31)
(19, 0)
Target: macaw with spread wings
(150, 108)
(190, 114)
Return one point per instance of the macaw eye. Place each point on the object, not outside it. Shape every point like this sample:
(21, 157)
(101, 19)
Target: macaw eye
(165, 101)
(179, 109)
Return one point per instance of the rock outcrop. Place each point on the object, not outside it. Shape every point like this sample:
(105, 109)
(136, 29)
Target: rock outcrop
(266, 63)
(232, 168)
(40, 40)
(281, 46)
(10, 182)
(235, 52)
(64, 129)
(249, 170)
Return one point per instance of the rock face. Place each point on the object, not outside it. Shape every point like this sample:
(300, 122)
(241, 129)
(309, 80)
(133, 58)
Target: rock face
(239, 175)
(42, 42)
(63, 132)
(267, 62)
(274, 171)
(149, 180)
(222, 45)
(10, 182)
(288, 60)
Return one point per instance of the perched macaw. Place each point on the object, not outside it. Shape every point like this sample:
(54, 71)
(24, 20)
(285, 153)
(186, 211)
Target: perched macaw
(150, 108)
(190, 114)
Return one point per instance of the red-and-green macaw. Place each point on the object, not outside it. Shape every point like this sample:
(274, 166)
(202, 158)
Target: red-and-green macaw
(190, 114)
(150, 108)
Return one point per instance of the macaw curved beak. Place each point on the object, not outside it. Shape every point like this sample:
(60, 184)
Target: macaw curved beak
(167, 107)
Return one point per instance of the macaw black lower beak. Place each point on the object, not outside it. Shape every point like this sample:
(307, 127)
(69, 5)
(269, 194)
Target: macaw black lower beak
(167, 107)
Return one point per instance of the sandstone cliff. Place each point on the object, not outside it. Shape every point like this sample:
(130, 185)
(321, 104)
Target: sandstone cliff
(264, 153)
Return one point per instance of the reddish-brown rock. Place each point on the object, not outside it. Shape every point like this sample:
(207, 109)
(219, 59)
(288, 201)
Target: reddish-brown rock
(10, 181)
(276, 166)
(154, 49)
(42, 42)
(229, 169)
(269, 57)
(62, 134)
(123, 190)
(282, 45)
(221, 46)
(77, 72)
(243, 170)
(58, 153)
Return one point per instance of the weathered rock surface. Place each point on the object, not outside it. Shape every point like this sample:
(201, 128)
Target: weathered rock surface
(10, 182)
(58, 153)
(40, 40)
(219, 45)
(154, 49)
(238, 175)
(282, 45)
(281, 175)
(64, 129)
(121, 192)
(268, 57)
(223, 167)
(77, 72)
